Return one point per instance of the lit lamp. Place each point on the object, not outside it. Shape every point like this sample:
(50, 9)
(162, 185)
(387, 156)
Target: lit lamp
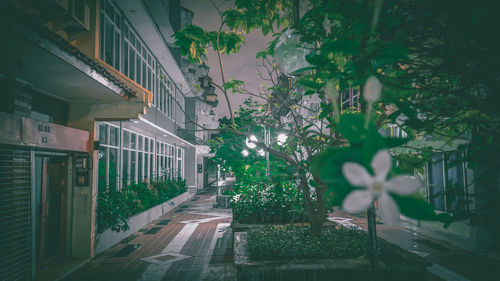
(250, 142)
(211, 97)
(281, 139)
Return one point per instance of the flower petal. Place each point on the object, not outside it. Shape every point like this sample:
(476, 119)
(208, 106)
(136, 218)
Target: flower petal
(381, 164)
(372, 89)
(356, 174)
(357, 201)
(402, 185)
(388, 210)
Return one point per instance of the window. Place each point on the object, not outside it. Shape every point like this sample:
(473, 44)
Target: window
(123, 49)
(447, 183)
(108, 157)
(110, 34)
(349, 99)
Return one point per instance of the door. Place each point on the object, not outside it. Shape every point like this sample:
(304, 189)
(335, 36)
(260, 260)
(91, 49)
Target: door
(50, 200)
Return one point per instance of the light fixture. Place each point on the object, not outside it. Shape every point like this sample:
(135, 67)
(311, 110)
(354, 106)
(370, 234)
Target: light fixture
(250, 142)
(245, 152)
(261, 152)
(290, 53)
(282, 137)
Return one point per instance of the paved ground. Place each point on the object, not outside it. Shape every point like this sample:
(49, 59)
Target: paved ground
(192, 242)
(450, 263)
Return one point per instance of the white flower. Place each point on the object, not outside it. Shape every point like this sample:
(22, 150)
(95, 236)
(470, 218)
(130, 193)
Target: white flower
(377, 187)
(372, 89)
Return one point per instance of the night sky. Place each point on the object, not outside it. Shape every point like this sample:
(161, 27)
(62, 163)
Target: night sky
(240, 66)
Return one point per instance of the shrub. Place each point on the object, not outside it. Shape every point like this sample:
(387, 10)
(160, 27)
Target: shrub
(275, 204)
(114, 207)
(297, 242)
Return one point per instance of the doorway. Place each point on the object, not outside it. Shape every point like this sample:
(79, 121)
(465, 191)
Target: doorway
(50, 204)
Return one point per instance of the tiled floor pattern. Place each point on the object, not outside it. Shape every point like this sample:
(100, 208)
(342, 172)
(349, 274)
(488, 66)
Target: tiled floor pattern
(194, 245)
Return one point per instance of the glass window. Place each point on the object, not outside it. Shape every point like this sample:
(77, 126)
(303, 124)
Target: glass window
(108, 42)
(140, 147)
(455, 184)
(101, 184)
(132, 65)
(132, 166)
(126, 139)
(146, 144)
(125, 165)
(113, 136)
(125, 58)
(146, 163)
(436, 182)
(116, 63)
(139, 166)
(132, 140)
(103, 133)
(113, 168)
(138, 69)
(151, 170)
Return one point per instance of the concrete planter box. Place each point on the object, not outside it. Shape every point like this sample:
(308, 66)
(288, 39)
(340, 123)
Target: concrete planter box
(244, 227)
(324, 269)
(109, 238)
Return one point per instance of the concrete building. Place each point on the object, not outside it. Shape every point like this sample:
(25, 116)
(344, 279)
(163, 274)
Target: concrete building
(93, 98)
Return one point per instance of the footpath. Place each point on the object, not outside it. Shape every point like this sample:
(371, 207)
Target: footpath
(192, 242)
(449, 263)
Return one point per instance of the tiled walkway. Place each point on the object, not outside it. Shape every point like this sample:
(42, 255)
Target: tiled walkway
(449, 262)
(192, 242)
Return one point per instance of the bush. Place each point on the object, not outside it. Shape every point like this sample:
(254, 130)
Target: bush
(115, 207)
(297, 242)
(275, 204)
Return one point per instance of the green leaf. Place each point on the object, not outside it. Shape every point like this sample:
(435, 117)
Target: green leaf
(415, 206)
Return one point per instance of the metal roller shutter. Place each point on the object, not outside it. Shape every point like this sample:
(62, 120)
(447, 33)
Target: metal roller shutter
(15, 214)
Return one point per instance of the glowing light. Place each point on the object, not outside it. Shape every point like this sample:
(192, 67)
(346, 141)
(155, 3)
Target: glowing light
(250, 142)
(282, 139)
(261, 152)
(245, 152)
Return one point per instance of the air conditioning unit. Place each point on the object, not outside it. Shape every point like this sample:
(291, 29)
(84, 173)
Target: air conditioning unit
(81, 13)
(77, 21)
(56, 8)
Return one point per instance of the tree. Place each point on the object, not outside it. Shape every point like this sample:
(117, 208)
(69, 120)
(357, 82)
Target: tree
(434, 59)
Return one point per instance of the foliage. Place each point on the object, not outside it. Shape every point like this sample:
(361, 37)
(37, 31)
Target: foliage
(114, 207)
(280, 203)
(364, 142)
(436, 62)
(297, 242)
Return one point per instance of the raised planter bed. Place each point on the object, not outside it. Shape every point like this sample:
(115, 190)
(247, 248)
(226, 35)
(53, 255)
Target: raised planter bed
(243, 227)
(413, 268)
(109, 238)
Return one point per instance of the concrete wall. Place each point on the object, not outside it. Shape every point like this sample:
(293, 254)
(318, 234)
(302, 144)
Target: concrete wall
(109, 238)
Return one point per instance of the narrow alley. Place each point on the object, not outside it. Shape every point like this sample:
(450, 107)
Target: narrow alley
(192, 242)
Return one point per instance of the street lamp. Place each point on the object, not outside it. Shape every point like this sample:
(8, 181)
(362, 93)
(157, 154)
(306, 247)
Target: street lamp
(250, 142)
(281, 139)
